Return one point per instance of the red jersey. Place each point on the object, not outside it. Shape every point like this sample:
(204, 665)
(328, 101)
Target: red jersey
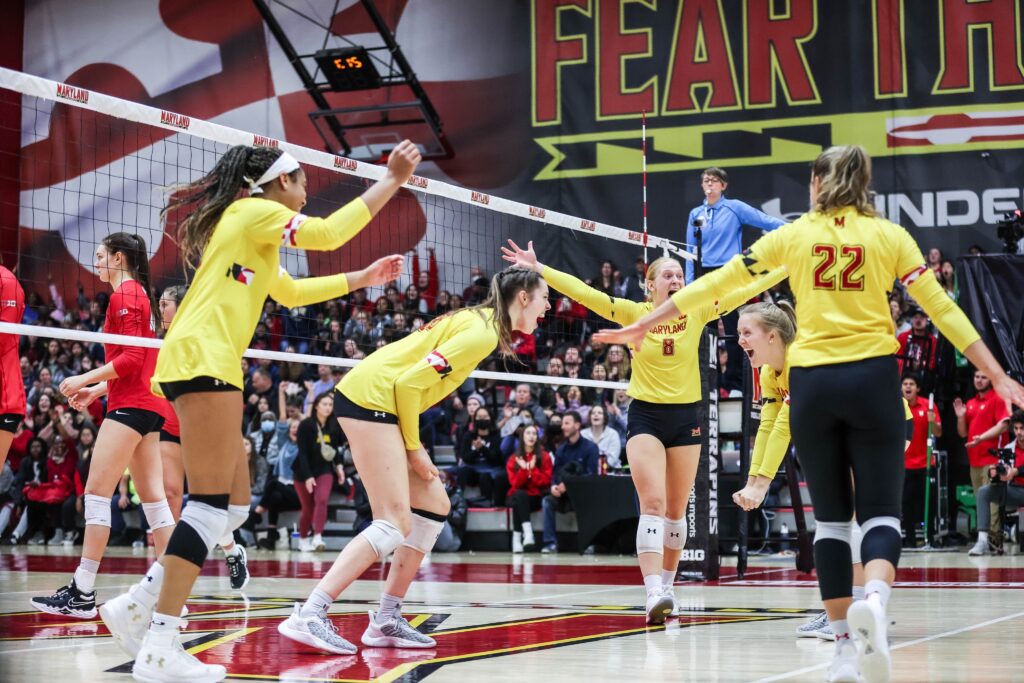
(129, 313)
(12, 309)
(916, 457)
(534, 481)
(170, 419)
(983, 413)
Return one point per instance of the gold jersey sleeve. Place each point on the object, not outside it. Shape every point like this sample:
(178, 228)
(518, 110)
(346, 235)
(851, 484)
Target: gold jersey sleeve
(666, 368)
(772, 440)
(406, 377)
(240, 267)
(907, 413)
(841, 267)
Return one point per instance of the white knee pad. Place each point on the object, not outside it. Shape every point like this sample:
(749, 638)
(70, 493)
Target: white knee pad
(237, 514)
(675, 533)
(207, 521)
(158, 514)
(650, 534)
(839, 531)
(383, 537)
(97, 510)
(874, 522)
(856, 535)
(423, 533)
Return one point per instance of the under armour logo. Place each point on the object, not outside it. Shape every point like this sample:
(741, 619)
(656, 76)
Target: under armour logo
(673, 534)
(159, 662)
(652, 531)
(378, 413)
(219, 382)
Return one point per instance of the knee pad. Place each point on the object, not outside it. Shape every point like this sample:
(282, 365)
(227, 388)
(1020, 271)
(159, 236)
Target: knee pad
(675, 533)
(838, 531)
(203, 521)
(835, 571)
(237, 514)
(158, 514)
(383, 537)
(882, 540)
(426, 527)
(650, 534)
(97, 510)
(856, 538)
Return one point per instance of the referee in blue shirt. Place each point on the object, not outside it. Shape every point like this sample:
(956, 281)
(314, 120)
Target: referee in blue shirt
(721, 221)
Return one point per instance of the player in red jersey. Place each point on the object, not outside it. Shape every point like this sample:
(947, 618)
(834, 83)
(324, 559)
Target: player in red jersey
(12, 387)
(129, 436)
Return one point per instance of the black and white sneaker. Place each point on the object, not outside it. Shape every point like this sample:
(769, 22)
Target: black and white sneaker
(69, 601)
(238, 569)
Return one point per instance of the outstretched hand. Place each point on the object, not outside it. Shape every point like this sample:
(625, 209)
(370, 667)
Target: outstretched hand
(403, 161)
(523, 258)
(1011, 391)
(630, 334)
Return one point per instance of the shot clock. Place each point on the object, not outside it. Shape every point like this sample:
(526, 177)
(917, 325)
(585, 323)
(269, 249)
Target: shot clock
(348, 68)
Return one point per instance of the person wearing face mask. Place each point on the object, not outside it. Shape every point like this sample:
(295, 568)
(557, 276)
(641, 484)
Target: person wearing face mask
(280, 494)
(664, 428)
(479, 454)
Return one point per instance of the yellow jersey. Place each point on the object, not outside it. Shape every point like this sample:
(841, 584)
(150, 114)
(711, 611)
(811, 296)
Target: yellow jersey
(666, 368)
(907, 413)
(772, 440)
(841, 268)
(406, 377)
(240, 268)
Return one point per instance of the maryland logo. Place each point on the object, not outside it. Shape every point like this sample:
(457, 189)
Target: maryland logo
(241, 274)
(439, 363)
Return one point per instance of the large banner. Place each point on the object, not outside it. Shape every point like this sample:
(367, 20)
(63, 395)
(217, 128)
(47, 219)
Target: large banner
(542, 101)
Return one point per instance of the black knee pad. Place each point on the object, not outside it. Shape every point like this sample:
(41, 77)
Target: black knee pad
(833, 562)
(881, 543)
(187, 544)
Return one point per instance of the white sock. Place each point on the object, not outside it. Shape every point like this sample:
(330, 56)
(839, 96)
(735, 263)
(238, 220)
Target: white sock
(528, 530)
(858, 593)
(234, 551)
(983, 536)
(318, 603)
(390, 607)
(842, 630)
(162, 623)
(652, 582)
(85, 575)
(147, 591)
(668, 577)
(879, 588)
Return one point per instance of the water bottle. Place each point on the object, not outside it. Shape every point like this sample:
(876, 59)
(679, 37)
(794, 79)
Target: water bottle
(294, 543)
(784, 536)
(602, 465)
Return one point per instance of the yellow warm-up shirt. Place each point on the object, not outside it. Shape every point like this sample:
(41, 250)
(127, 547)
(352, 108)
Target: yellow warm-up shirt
(406, 377)
(841, 268)
(240, 268)
(666, 368)
(772, 440)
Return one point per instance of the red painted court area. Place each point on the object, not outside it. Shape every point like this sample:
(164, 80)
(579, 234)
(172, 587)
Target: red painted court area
(542, 574)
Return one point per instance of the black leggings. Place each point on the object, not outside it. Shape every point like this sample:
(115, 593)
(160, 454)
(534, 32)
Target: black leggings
(844, 417)
(914, 485)
(278, 498)
(522, 505)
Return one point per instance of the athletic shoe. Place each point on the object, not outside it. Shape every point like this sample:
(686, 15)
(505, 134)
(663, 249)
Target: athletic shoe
(57, 539)
(69, 601)
(71, 538)
(843, 668)
(810, 629)
(318, 632)
(668, 592)
(517, 541)
(38, 539)
(162, 659)
(238, 569)
(306, 545)
(659, 607)
(868, 624)
(396, 632)
(979, 548)
(318, 543)
(127, 620)
(549, 548)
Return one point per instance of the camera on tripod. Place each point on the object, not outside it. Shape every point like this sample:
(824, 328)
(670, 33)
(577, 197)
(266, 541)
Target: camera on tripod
(1004, 463)
(1011, 230)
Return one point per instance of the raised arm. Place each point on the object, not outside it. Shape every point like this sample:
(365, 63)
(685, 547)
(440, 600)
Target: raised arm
(290, 292)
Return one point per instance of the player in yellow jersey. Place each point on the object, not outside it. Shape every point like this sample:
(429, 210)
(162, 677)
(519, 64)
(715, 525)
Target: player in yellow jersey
(664, 428)
(378, 404)
(842, 260)
(199, 366)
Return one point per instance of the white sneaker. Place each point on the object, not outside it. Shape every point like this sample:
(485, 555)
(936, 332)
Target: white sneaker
(58, 538)
(517, 541)
(979, 548)
(306, 545)
(318, 543)
(70, 539)
(127, 620)
(396, 632)
(670, 593)
(528, 538)
(659, 606)
(817, 627)
(162, 659)
(869, 625)
(319, 632)
(843, 668)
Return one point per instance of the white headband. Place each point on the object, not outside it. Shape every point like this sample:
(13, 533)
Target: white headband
(285, 163)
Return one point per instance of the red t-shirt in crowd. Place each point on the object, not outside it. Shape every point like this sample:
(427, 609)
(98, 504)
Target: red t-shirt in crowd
(916, 456)
(129, 313)
(12, 309)
(983, 413)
